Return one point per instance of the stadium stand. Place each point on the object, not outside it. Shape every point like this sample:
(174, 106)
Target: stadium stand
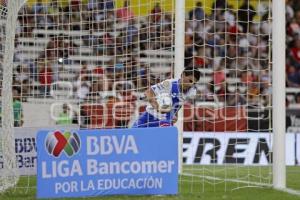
(86, 52)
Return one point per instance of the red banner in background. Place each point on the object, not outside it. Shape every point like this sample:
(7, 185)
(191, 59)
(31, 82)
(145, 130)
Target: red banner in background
(214, 119)
(115, 114)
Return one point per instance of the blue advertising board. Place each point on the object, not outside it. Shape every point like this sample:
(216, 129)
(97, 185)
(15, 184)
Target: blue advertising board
(107, 162)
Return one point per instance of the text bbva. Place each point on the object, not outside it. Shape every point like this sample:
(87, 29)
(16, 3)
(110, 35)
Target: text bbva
(111, 144)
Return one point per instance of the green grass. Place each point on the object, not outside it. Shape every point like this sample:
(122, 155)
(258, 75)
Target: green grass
(229, 183)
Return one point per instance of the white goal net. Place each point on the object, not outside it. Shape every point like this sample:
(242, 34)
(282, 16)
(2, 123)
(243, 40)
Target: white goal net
(87, 64)
(226, 139)
(8, 167)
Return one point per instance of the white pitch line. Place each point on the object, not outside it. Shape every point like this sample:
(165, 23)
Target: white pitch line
(290, 191)
(229, 180)
(253, 184)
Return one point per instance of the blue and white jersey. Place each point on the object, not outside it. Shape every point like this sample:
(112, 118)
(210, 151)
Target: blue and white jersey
(171, 87)
(152, 118)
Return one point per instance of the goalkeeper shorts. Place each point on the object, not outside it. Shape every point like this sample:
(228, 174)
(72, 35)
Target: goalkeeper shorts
(146, 120)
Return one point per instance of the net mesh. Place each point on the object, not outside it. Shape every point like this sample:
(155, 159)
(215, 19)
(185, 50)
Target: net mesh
(229, 42)
(88, 54)
(84, 64)
(87, 64)
(9, 172)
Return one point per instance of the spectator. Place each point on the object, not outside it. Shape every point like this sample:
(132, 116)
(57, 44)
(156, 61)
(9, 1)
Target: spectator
(97, 86)
(295, 5)
(144, 37)
(220, 5)
(289, 10)
(293, 77)
(229, 16)
(246, 14)
(74, 14)
(101, 5)
(166, 38)
(125, 13)
(293, 28)
(115, 73)
(131, 35)
(38, 7)
(27, 21)
(83, 87)
(221, 91)
(66, 117)
(156, 14)
(234, 97)
(295, 53)
(21, 74)
(197, 13)
(22, 80)
(109, 4)
(199, 59)
(219, 76)
(54, 7)
(45, 78)
(84, 117)
(94, 4)
(247, 77)
(17, 108)
(84, 71)
(45, 21)
(297, 98)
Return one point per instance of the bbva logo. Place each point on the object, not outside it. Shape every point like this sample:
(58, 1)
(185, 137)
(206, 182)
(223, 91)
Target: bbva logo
(57, 142)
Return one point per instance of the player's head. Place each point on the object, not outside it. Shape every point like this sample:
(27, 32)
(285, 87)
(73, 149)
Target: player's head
(189, 77)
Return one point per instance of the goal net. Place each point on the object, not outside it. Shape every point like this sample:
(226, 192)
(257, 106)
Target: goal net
(8, 167)
(87, 64)
(226, 138)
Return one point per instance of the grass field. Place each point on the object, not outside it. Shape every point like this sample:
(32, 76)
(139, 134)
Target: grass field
(200, 182)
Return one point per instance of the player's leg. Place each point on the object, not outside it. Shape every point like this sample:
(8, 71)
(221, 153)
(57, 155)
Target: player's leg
(145, 120)
(148, 120)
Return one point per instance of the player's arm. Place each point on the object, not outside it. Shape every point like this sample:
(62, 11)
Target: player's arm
(151, 98)
(160, 102)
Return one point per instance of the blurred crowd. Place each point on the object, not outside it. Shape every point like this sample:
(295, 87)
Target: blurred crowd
(231, 47)
(116, 34)
(293, 48)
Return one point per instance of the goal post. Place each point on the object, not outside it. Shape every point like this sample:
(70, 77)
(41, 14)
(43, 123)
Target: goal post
(9, 14)
(179, 66)
(279, 113)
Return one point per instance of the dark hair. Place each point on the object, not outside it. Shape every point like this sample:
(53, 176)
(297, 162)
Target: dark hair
(18, 68)
(190, 71)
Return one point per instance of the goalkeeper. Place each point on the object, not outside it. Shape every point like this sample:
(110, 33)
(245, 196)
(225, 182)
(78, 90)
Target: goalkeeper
(166, 98)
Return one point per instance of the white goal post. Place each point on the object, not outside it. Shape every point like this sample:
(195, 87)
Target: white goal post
(278, 44)
(179, 66)
(9, 174)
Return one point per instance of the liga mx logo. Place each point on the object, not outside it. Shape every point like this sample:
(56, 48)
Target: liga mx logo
(58, 142)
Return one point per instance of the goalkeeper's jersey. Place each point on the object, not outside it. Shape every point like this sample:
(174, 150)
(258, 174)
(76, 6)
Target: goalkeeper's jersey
(171, 87)
(152, 118)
